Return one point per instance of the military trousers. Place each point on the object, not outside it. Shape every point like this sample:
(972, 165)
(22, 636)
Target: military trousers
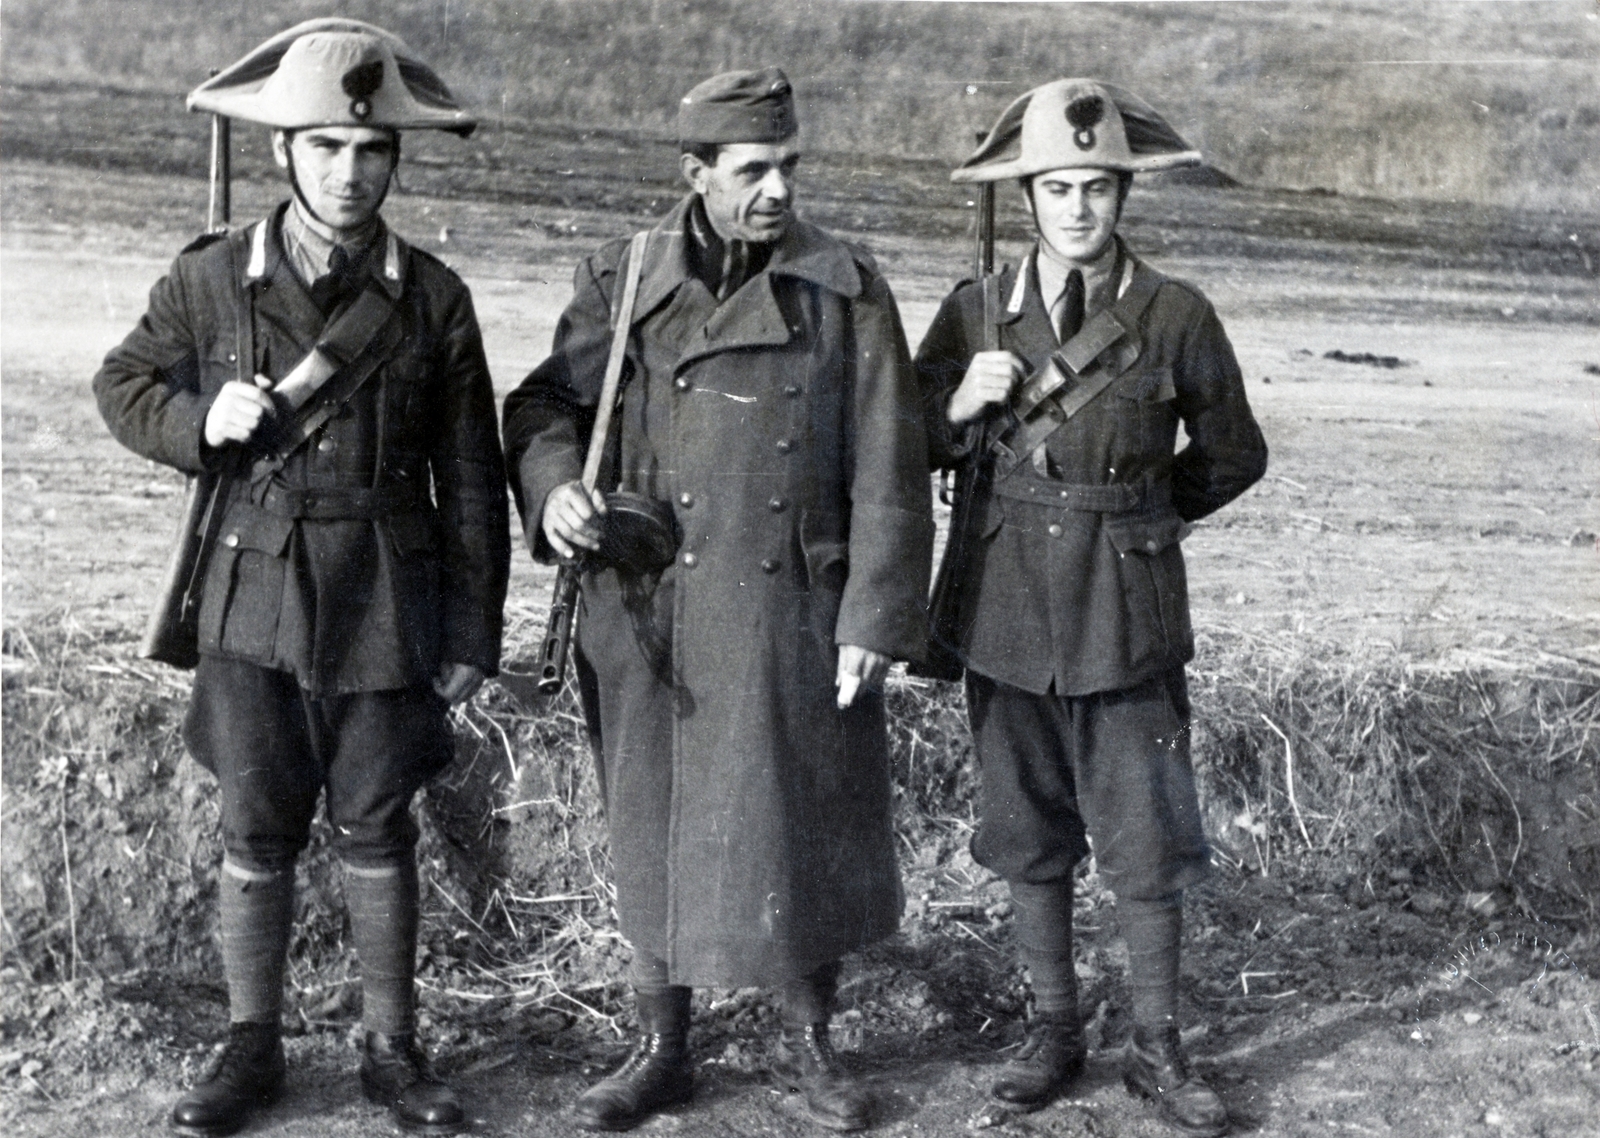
(1058, 772)
(274, 750)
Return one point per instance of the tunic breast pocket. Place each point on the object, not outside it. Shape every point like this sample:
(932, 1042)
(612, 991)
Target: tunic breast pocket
(1146, 403)
(244, 585)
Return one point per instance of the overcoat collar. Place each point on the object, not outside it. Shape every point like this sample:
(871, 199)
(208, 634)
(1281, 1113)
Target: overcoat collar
(804, 251)
(266, 251)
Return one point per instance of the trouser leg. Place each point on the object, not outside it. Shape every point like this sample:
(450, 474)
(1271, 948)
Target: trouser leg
(809, 999)
(383, 923)
(256, 915)
(1153, 931)
(1042, 925)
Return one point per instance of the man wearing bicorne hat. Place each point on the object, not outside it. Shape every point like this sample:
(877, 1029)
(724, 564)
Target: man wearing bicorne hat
(334, 377)
(1065, 591)
(769, 410)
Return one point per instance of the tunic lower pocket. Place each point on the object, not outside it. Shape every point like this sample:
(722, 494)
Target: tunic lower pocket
(1155, 585)
(244, 584)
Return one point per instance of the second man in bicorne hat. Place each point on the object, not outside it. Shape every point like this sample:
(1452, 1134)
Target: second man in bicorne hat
(333, 379)
(1063, 597)
(770, 411)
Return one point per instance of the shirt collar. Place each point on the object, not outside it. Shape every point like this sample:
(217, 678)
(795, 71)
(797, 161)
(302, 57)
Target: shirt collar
(1098, 288)
(309, 244)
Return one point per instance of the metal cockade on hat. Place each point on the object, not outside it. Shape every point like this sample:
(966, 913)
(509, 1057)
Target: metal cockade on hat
(334, 72)
(1076, 123)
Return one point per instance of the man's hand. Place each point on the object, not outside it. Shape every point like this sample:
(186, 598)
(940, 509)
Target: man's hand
(859, 668)
(989, 380)
(456, 683)
(238, 411)
(568, 519)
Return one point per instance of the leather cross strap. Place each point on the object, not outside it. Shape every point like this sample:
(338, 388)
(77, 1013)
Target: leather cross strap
(334, 369)
(1041, 406)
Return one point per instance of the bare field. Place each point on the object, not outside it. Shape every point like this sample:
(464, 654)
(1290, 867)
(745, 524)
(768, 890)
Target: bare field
(1448, 503)
(1431, 517)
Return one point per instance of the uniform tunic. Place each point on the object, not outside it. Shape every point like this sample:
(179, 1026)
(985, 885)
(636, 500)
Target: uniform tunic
(1073, 612)
(344, 576)
(750, 819)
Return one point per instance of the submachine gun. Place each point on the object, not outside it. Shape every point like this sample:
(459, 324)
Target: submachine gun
(637, 533)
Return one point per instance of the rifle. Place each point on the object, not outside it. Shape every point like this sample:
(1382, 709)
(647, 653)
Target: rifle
(944, 608)
(172, 634)
(564, 598)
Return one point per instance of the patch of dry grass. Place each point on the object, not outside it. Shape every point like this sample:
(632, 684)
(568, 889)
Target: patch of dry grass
(1480, 771)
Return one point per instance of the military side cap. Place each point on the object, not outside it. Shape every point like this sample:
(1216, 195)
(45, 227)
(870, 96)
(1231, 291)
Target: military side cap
(334, 72)
(1076, 123)
(739, 106)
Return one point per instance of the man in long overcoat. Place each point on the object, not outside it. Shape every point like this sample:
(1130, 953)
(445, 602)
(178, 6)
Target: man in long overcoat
(1063, 594)
(769, 403)
(334, 378)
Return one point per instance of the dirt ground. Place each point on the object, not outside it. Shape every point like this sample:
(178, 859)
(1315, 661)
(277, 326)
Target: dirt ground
(1437, 502)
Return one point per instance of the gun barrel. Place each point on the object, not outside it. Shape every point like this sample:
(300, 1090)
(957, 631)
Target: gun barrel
(558, 633)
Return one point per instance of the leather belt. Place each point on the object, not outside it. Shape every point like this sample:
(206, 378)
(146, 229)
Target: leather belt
(1115, 498)
(344, 504)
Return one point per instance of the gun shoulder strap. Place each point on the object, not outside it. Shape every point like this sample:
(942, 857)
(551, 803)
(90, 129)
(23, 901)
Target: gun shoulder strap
(621, 323)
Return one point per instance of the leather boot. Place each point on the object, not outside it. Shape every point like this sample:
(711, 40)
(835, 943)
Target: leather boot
(803, 1061)
(1051, 1056)
(248, 1074)
(1155, 1067)
(395, 1073)
(656, 1074)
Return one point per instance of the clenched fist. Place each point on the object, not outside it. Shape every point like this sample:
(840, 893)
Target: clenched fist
(237, 411)
(569, 518)
(990, 378)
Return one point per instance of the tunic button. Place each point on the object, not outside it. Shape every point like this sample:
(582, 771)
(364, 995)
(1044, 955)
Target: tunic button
(1151, 545)
(686, 500)
(325, 445)
(792, 390)
(777, 505)
(769, 566)
(690, 560)
(682, 383)
(784, 446)
(231, 541)
(232, 358)
(1054, 530)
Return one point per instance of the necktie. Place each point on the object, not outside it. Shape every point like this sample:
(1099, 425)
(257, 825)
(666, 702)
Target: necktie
(1066, 314)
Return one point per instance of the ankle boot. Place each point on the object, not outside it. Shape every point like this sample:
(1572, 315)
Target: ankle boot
(656, 1074)
(804, 1061)
(1051, 1056)
(246, 1075)
(395, 1073)
(1155, 1067)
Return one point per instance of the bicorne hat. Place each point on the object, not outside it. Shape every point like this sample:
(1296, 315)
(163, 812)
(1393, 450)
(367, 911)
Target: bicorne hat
(334, 72)
(1076, 123)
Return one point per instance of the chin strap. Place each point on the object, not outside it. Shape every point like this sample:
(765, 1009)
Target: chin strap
(299, 195)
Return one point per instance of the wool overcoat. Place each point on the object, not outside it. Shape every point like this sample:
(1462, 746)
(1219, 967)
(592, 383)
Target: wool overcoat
(749, 817)
(1074, 580)
(380, 548)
